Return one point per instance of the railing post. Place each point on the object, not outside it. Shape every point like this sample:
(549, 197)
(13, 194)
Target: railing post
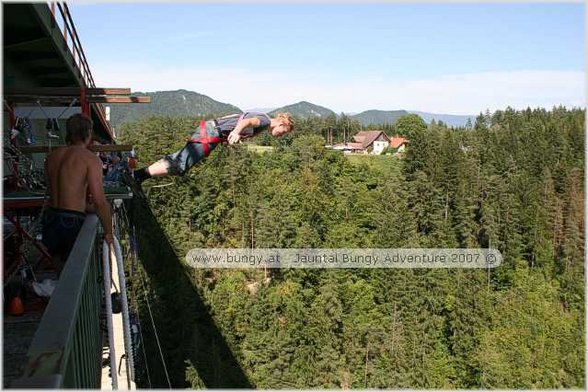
(53, 21)
(65, 32)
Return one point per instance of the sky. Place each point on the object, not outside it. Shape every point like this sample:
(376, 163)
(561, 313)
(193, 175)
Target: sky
(451, 58)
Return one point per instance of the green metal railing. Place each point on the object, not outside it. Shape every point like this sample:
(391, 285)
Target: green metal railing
(66, 351)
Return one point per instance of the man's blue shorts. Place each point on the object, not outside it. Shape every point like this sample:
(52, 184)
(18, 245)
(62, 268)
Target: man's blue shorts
(192, 153)
(60, 230)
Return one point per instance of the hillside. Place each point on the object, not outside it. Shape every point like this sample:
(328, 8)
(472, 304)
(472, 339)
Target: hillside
(304, 110)
(169, 103)
(519, 325)
(379, 116)
(181, 103)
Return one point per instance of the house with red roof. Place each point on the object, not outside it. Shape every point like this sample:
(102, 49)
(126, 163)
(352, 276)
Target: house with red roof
(366, 142)
(398, 143)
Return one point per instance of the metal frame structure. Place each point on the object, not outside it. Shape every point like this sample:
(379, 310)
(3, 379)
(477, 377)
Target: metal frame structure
(53, 39)
(45, 64)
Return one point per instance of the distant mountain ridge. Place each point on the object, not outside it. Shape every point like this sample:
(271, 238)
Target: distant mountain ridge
(455, 120)
(170, 103)
(260, 110)
(379, 116)
(304, 109)
(189, 103)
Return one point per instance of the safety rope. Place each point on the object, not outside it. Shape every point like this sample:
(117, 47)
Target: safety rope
(125, 310)
(153, 322)
(143, 349)
(73, 101)
(155, 332)
(133, 250)
(56, 118)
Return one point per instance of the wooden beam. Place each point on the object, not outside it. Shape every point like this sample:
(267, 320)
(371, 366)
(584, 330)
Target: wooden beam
(95, 148)
(65, 91)
(143, 99)
(108, 91)
(111, 147)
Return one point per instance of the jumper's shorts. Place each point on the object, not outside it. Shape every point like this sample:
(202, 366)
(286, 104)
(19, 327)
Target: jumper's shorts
(192, 153)
(60, 230)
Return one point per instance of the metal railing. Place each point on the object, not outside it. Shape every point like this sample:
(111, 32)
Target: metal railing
(73, 44)
(66, 351)
(70, 36)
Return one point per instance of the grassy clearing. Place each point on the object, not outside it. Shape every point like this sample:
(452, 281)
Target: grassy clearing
(383, 163)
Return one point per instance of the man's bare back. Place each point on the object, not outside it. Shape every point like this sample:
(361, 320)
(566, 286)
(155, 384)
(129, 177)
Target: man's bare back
(73, 172)
(69, 170)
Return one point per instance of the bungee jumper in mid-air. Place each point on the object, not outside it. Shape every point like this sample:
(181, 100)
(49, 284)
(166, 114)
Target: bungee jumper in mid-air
(230, 129)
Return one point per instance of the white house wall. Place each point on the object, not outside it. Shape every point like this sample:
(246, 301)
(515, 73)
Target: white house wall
(379, 146)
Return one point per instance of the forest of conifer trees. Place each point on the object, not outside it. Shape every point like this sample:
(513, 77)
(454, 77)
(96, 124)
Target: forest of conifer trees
(512, 181)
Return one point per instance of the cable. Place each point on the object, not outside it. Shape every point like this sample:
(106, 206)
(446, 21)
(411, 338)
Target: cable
(157, 186)
(41, 107)
(155, 332)
(8, 108)
(67, 108)
(125, 215)
(139, 327)
(54, 118)
(154, 328)
(125, 310)
(122, 217)
(61, 114)
(143, 349)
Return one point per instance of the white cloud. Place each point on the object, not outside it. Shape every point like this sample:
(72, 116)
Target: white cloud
(451, 94)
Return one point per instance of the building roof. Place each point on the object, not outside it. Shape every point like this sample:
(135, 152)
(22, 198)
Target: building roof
(355, 146)
(368, 137)
(348, 146)
(397, 141)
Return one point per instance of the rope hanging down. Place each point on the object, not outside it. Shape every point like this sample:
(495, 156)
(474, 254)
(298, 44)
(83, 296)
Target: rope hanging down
(132, 249)
(152, 320)
(125, 310)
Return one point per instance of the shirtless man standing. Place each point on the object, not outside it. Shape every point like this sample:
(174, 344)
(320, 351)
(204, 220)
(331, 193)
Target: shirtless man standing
(72, 171)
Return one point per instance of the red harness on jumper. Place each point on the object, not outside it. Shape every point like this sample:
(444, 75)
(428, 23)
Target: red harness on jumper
(205, 140)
